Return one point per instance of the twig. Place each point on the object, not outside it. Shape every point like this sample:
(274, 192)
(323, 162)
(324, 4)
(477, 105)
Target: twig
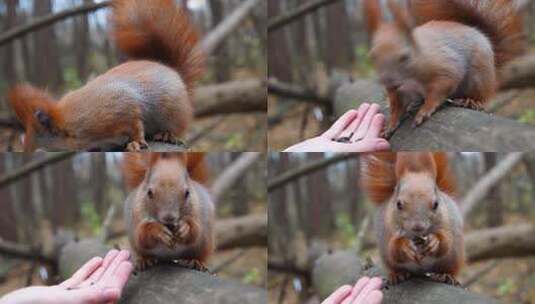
(229, 261)
(288, 17)
(106, 225)
(33, 166)
(291, 175)
(227, 26)
(22, 30)
(205, 131)
(483, 186)
(232, 173)
(296, 92)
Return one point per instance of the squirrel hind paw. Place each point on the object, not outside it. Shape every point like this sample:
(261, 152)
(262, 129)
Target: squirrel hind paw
(193, 264)
(143, 264)
(137, 146)
(167, 137)
(397, 278)
(445, 278)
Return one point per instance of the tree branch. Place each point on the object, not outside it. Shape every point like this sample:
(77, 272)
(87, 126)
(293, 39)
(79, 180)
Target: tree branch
(32, 166)
(293, 15)
(241, 96)
(243, 231)
(483, 186)
(294, 91)
(37, 23)
(291, 175)
(231, 22)
(26, 252)
(232, 173)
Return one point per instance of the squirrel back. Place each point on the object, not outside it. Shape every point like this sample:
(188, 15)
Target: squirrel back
(148, 30)
(498, 20)
(382, 171)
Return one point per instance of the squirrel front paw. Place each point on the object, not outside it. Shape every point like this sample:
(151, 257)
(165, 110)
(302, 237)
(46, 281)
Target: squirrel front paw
(430, 248)
(155, 233)
(142, 263)
(184, 232)
(445, 278)
(411, 252)
(395, 278)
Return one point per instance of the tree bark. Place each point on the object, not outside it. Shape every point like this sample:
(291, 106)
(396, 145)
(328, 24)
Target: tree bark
(451, 128)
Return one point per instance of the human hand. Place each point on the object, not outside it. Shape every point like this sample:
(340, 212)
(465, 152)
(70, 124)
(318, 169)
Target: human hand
(361, 128)
(97, 281)
(365, 291)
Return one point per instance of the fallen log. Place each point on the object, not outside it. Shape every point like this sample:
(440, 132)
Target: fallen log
(335, 269)
(450, 129)
(164, 283)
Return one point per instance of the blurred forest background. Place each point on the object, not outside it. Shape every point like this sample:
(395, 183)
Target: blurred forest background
(48, 200)
(66, 54)
(316, 206)
(312, 54)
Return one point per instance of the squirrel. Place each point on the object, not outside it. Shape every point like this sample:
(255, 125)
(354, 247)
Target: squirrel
(148, 96)
(169, 213)
(441, 49)
(418, 224)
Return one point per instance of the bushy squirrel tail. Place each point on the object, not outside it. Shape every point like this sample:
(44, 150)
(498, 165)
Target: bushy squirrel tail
(158, 30)
(135, 166)
(499, 20)
(381, 171)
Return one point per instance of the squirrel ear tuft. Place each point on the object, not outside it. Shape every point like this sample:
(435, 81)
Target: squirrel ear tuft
(44, 119)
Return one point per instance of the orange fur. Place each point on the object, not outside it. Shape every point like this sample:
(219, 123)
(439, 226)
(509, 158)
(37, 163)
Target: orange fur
(498, 19)
(146, 30)
(440, 49)
(135, 166)
(165, 64)
(381, 172)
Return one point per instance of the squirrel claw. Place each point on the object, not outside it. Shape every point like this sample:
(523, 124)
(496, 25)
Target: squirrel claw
(183, 230)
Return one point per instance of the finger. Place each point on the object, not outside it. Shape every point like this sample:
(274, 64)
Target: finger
(81, 274)
(121, 275)
(361, 283)
(95, 295)
(95, 276)
(376, 126)
(337, 296)
(366, 122)
(340, 124)
(375, 297)
(373, 284)
(352, 128)
(108, 276)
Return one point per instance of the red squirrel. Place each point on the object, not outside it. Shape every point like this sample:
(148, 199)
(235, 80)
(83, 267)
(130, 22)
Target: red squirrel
(441, 49)
(419, 226)
(169, 213)
(148, 96)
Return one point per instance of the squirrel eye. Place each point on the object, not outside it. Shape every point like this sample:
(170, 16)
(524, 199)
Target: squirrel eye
(186, 194)
(150, 193)
(435, 205)
(399, 204)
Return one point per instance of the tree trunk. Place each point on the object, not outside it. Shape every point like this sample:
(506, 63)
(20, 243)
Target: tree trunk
(222, 64)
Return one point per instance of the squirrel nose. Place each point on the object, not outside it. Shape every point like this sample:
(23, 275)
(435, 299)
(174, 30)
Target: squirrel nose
(169, 220)
(418, 228)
